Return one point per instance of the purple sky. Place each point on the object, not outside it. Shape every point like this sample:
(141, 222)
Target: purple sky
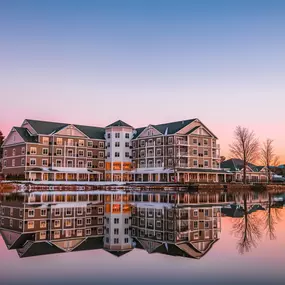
(93, 62)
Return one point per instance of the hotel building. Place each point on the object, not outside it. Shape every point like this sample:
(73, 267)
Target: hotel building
(184, 151)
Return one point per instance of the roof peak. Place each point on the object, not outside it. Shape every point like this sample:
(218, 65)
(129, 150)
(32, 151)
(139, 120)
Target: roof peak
(119, 123)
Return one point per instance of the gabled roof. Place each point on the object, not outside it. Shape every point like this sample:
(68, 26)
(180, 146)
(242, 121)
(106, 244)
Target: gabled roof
(92, 132)
(25, 134)
(235, 164)
(118, 253)
(47, 128)
(168, 128)
(193, 130)
(119, 123)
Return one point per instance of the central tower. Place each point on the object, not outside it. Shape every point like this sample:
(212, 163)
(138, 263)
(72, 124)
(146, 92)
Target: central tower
(118, 151)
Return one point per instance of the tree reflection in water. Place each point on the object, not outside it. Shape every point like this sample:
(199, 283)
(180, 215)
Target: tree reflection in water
(272, 217)
(247, 229)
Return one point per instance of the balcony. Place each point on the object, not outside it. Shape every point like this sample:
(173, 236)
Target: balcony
(182, 142)
(217, 146)
(182, 154)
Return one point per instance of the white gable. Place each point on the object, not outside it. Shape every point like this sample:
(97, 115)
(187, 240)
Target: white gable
(149, 131)
(13, 138)
(202, 130)
(70, 130)
(29, 127)
(10, 237)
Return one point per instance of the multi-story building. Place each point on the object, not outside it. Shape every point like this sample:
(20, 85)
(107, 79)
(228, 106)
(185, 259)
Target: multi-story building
(179, 151)
(51, 223)
(41, 150)
(185, 151)
(118, 155)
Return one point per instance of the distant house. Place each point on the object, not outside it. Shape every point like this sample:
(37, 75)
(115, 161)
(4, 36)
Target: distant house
(253, 174)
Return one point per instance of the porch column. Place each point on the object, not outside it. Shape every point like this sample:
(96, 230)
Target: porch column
(207, 177)
(88, 176)
(99, 177)
(167, 177)
(66, 176)
(54, 176)
(225, 177)
(158, 176)
(198, 177)
(42, 176)
(217, 178)
(77, 176)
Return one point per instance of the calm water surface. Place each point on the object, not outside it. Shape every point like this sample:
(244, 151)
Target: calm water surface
(170, 238)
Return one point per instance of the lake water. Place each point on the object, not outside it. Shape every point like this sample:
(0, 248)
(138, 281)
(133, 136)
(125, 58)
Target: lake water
(149, 238)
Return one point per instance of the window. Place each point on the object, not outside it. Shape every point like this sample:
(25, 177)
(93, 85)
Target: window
(20, 212)
(158, 141)
(99, 231)
(206, 152)
(108, 144)
(68, 222)
(126, 221)
(195, 141)
(196, 235)
(45, 140)
(45, 151)
(107, 240)
(43, 212)
(88, 221)
(101, 164)
(11, 211)
(117, 144)
(33, 150)
(11, 223)
(57, 223)
(31, 213)
(195, 151)
(100, 221)
(58, 151)
(70, 142)
(101, 154)
(126, 231)
(89, 211)
(116, 220)
(59, 141)
(88, 232)
(89, 164)
(67, 233)
(80, 163)
(13, 162)
(5, 163)
(117, 135)
(89, 153)
(158, 151)
(108, 154)
(108, 135)
(42, 235)
(116, 231)
(58, 163)
(81, 152)
(127, 154)
(14, 152)
(127, 135)
(142, 143)
(206, 212)
(126, 240)
(90, 143)
(170, 140)
(206, 163)
(32, 161)
(195, 162)
(127, 144)
(31, 224)
(79, 222)
(158, 224)
(56, 234)
(205, 142)
(79, 211)
(117, 154)
(116, 240)
(195, 225)
(170, 151)
(70, 152)
(81, 143)
(149, 133)
(20, 224)
(68, 212)
(195, 213)
(23, 150)
(57, 212)
(43, 224)
(170, 162)
(69, 163)
(101, 144)
(206, 225)
(100, 210)
(44, 162)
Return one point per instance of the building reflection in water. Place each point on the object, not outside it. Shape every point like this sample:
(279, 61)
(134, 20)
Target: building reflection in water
(178, 224)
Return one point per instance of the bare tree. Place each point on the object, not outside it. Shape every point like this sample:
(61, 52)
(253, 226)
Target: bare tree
(268, 157)
(247, 229)
(245, 147)
(222, 158)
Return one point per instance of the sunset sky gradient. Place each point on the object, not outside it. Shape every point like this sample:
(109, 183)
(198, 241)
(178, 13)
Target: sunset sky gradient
(93, 62)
